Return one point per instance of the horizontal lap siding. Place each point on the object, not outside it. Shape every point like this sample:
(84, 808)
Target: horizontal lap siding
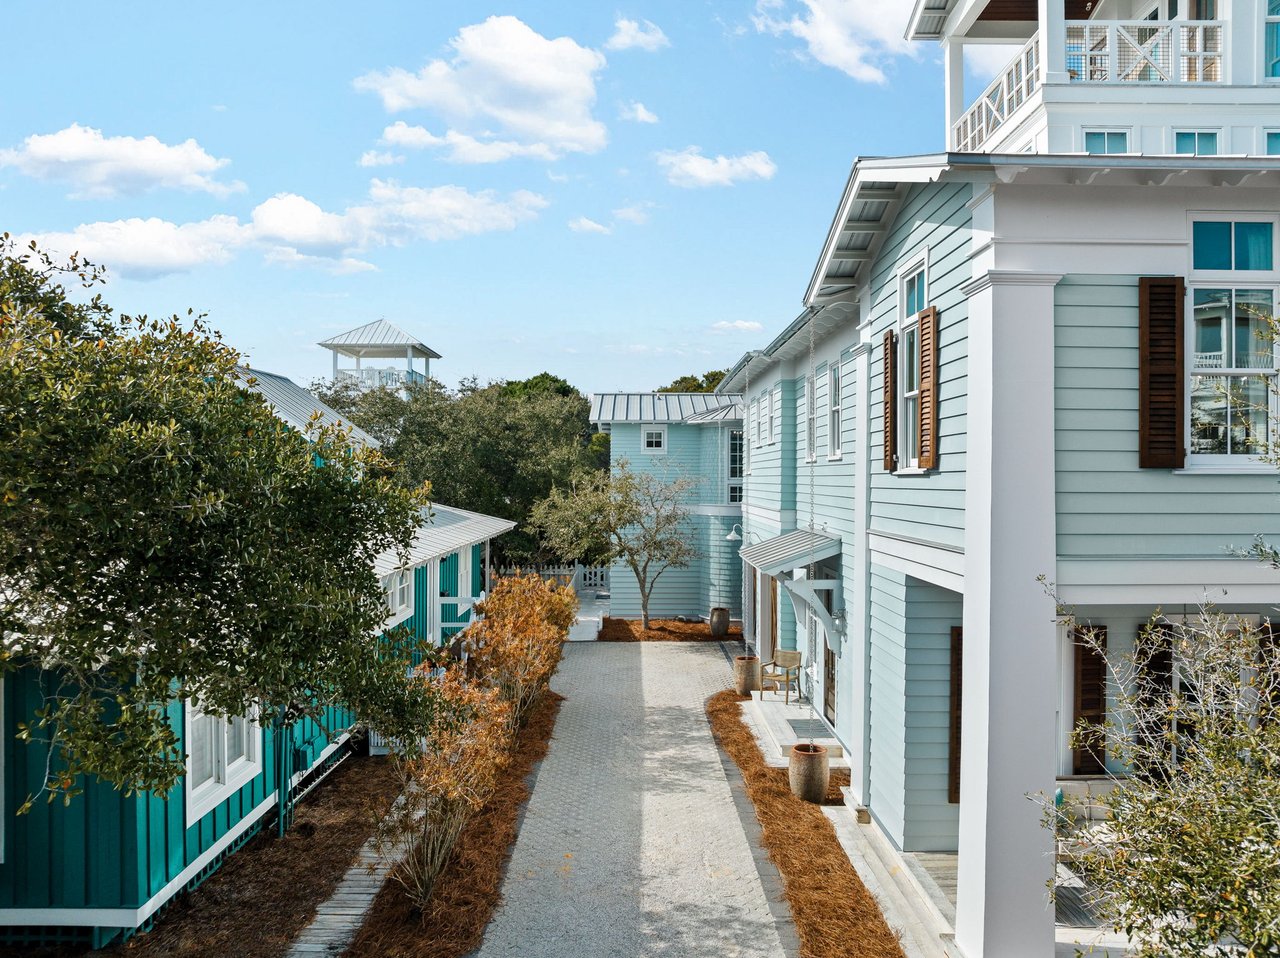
(888, 700)
(931, 822)
(929, 507)
(771, 483)
(1107, 507)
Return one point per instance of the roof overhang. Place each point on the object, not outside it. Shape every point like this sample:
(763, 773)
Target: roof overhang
(417, 351)
(791, 550)
(443, 531)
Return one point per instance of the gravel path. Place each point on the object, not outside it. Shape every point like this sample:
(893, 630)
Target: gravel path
(631, 844)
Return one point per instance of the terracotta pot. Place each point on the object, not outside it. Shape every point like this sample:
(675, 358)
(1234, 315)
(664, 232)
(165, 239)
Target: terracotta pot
(746, 674)
(719, 622)
(809, 772)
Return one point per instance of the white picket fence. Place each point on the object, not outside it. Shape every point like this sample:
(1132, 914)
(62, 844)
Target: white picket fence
(578, 577)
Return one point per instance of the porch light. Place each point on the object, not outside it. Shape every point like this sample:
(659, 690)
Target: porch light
(735, 533)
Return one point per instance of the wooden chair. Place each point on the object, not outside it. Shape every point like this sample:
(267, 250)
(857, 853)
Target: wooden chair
(783, 669)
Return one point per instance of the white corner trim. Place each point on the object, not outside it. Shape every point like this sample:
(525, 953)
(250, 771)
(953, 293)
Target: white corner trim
(133, 917)
(1009, 277)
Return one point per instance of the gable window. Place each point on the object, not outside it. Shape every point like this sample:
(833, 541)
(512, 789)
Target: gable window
(653, 440)
(1106, 141)
(833, 411)
(810, 420)
(223, 755)
(1195, 143)
(736, 465)
(1273, 39)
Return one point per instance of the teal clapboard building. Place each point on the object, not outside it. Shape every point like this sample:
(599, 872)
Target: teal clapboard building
(104, 866)
(683, 435)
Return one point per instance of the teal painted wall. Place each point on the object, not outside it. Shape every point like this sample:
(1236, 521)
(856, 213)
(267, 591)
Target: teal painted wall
(931, 506)
(888, 717)
(1107, 507)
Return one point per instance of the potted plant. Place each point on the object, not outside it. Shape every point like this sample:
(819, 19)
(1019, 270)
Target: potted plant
(809, 771)
(746, 674)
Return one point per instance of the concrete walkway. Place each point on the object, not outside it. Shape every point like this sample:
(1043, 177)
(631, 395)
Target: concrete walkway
(591, 613)
(632, 843)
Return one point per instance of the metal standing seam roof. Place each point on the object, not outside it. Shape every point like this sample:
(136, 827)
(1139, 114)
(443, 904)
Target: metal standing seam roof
(380, 340)
(654, 407)
(791, 550)
(730, 412)
(443, 530)
(294, 406)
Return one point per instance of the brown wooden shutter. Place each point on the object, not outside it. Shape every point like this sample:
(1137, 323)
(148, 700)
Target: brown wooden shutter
(1269, 671)
(927, 408)
(1154, 649)
(1161, 372)
(1089, 753)
(953, 740)
(890, 400)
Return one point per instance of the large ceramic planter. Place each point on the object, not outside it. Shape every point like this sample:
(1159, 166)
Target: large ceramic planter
(809, 772)
(746, 674)
(719, 622)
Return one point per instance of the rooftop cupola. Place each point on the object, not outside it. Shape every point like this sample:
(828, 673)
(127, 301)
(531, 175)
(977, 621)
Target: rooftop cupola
(1153, 77)
(374, 341)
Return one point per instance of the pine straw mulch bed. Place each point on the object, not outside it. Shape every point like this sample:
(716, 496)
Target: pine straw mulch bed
(661, 630)
(468, 892)
(267, 892)
(835, 915)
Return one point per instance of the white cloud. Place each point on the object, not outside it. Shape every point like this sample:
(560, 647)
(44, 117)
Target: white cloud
(505, 86)
(737, 325)
(584, 225)
(632, 34)
(852, 36)
(376, 158)
(637, 213)
(101, 167)
(292, 230)
(462, 147)
(145, 249)
(688, 167)
(637, 112)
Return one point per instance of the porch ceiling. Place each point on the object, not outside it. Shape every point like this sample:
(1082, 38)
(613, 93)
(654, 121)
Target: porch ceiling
(791, 550)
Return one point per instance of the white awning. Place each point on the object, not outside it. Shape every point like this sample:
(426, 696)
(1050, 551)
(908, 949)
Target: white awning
(791, 550)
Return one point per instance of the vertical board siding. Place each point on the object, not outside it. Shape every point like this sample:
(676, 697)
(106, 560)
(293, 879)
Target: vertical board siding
(1108, 507)
(931, 506)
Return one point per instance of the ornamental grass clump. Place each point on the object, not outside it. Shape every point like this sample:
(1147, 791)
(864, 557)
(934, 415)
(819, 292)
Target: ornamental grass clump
(449, 782)
(1187, 862)
(516, 645)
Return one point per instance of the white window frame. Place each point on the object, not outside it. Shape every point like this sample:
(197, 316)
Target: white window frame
(733, 482)
(398, 588)
(909, 425)
(835, 400)
(810, 419)
(227, 779)
(1267, 20)
(466, 571)
(1267, 133)
(1126, 130)
(775, 403)
(1228, 279)
(1198, 132)
(659, 429)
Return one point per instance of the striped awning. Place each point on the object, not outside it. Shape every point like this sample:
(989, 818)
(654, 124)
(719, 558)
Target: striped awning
(791, 550)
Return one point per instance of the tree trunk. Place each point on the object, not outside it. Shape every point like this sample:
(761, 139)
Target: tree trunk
(644, 607)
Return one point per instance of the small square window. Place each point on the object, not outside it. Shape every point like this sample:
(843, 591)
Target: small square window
(1195, 143)
(655, 440)
(1106, 141)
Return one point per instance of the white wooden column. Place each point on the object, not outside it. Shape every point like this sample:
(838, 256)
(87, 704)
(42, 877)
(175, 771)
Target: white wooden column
(953, 65)
(1053, 41)
(1010, 660)
(855, 659)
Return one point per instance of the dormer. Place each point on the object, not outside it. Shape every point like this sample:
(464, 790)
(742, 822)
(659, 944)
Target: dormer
(1139, 77)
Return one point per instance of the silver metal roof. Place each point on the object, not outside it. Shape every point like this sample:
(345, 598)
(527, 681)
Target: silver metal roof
(791, 550)
(654, 407)
(444, 530)
(731, 412)
(379, 340)
(294, 406)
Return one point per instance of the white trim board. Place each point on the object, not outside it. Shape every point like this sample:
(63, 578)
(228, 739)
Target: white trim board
(936, 564)
(1164, 581)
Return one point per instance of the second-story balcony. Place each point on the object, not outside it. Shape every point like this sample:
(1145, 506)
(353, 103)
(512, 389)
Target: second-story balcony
(1105, 52)
(368, 378)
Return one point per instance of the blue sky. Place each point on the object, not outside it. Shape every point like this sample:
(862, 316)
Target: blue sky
(616, 194)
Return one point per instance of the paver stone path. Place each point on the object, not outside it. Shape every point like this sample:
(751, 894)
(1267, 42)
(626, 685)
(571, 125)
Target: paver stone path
(631, 844)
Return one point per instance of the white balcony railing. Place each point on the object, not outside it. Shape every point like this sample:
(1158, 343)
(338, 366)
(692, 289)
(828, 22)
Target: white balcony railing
(1007, 92)
(372, 378)
(1144, 51)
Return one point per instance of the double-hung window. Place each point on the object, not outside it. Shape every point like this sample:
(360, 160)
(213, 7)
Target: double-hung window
(653, 440)
(775, 402)
(223, 754)
(913, 300)
(1231, 353)
(1272, 30)
(833, 411)
(737, 464)
(810, 420)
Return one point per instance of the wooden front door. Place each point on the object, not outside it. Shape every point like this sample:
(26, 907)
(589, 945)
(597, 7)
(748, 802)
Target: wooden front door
(1090, 712)
(829, 684)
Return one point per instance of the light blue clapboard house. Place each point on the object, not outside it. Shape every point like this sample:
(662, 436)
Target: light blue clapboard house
(1015, 358)
(106, 865)
(683, 435)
